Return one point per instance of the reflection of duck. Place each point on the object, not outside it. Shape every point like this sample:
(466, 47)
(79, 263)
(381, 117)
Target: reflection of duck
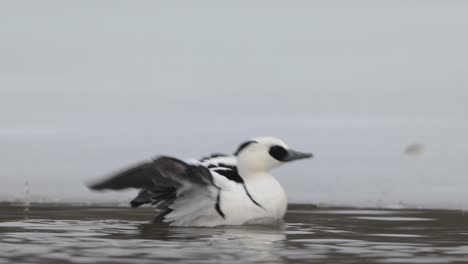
(218, 190)
(256, 232)
(244, 244)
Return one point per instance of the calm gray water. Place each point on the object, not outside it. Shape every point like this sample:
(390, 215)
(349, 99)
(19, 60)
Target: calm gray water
(77, 234)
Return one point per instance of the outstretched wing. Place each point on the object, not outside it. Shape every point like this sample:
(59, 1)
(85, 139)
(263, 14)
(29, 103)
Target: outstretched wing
(162, 172)
(179, 189)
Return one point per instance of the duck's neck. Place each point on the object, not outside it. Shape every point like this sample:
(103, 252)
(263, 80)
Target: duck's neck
(249, 174)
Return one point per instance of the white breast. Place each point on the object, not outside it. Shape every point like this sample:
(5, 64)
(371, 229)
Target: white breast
(268, 192)
(239, 208)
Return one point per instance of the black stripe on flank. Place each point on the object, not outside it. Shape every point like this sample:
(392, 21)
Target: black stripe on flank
(217, 207)
(248, 194)
(233, 175)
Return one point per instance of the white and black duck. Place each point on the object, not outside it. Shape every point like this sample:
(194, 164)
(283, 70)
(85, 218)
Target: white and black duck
(216, 190)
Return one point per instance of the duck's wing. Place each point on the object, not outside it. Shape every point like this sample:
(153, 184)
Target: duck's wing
(224, 165)
(162, 172)
(181, 190)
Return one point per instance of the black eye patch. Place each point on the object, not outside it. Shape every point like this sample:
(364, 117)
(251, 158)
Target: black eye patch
(243, 146)
(278, 152)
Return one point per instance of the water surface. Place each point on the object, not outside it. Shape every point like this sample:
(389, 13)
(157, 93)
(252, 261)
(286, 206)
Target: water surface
(98, 234)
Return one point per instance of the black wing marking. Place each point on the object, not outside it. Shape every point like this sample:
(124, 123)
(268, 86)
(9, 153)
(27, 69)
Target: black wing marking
(225, 167)
(158, 174)
(158, 180)
(231, 174)
(228, 170)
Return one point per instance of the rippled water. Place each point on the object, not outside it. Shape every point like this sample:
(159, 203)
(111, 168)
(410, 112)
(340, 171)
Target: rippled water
(61, 234)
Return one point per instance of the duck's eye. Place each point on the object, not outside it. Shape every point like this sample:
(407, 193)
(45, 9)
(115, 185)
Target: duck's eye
(278, 152)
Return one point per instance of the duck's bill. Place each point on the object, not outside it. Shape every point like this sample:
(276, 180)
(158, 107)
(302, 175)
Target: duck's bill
(296, 155)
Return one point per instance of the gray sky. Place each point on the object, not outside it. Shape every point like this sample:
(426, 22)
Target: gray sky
(90, 86)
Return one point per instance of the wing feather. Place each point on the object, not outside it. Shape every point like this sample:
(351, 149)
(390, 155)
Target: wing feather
(158, 174)
(181, 191)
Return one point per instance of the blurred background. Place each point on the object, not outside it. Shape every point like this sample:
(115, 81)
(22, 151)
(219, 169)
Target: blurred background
(377, 90)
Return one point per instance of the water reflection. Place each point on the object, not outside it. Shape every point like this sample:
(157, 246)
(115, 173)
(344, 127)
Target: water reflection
(86, 235)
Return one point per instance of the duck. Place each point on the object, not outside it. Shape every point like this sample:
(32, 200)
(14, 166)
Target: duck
(217, 190)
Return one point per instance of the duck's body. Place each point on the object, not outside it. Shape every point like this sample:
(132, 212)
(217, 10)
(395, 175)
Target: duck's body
(266, 201)
(217, 190)
(246, 198)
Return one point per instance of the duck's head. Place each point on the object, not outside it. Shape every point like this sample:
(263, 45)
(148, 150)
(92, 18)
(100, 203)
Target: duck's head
(262, 154)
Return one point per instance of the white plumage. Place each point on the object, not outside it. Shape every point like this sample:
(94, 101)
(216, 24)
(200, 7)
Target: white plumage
(217, 190)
